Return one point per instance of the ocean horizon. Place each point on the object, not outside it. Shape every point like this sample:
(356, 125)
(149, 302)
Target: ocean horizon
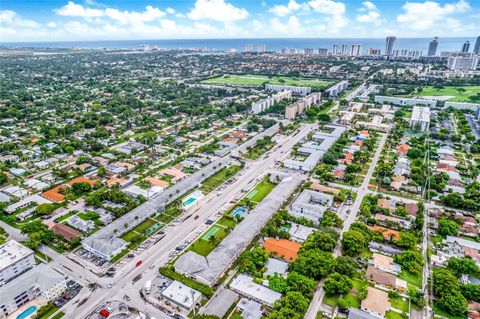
(271, 44)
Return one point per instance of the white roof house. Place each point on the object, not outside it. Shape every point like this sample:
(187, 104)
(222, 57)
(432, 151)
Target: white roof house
(244, 285)
(182, 295)
(25, 202)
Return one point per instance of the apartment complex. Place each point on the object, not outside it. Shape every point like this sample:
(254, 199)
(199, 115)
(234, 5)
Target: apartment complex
(338, 88)
(296, 90)
(420, 118)
(262, 105)
(404, 101)
(15, 259)
(299, 107)
(42, 282)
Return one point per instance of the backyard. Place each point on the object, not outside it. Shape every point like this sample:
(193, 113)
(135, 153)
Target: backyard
(350, 300)
(257, 80)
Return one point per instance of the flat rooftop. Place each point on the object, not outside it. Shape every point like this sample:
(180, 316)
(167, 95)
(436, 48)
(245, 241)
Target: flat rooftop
(11, 252)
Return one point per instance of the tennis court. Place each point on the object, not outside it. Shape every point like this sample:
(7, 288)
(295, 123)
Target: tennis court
(212, 231)
(252, 193)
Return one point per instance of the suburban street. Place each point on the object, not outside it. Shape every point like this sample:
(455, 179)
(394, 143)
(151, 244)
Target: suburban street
(361, 192)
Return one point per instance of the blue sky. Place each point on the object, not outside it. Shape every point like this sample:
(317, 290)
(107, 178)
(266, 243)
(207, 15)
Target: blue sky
(60, 20)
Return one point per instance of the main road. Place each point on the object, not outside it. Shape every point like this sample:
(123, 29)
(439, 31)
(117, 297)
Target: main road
(157, 255)
(350, 218)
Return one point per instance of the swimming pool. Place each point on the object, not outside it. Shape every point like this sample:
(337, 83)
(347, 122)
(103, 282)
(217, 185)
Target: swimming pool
(27, 312)
(238, 211)
(189, 201)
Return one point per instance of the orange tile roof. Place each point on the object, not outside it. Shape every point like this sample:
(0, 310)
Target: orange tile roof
(113, 181)
(81, 180)
(156, 182)
(403, 148)
(324, 189)
(54, 194)
(387, 233)
(68, 233)
(284, 248)
(349, 156)
(364, 132)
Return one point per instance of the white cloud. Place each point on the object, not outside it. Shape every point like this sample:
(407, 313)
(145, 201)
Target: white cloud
(132, 17)
(217, 10)
(421, 16)
(51, 24)
(291, 26)
(372, 14)
(284, 10)
(336, 13)
(12, 19)
(170, 10)
(72, 9)
(329, 7)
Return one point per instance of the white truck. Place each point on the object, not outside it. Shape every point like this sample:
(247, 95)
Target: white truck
(148, 286)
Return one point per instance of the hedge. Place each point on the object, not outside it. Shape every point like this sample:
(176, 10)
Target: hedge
(204, 289)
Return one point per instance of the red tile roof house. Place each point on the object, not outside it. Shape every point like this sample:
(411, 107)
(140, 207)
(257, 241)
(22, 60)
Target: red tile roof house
(68, 233)
(340, 174)
(412, 209)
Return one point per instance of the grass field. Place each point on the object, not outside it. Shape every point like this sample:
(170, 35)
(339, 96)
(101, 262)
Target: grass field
(257, 151)
(203, 246)
(216, 180)
(457, 96)
(260, 191)
(393, 315)
(257, 80)
(412, 279)
(399, 304)
(144, 226)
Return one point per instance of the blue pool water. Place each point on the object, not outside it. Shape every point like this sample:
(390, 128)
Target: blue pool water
(27, 312)
(189, 201)
(238, 211)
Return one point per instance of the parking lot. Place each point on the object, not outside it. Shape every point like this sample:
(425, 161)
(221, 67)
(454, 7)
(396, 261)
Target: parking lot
(90, 260)
(73, 288)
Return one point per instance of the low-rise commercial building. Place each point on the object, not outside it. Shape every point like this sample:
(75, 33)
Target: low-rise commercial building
(182, 295)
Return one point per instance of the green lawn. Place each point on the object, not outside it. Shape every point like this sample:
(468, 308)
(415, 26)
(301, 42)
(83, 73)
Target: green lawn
(412, 279)
(393, 315)
(130, 235)
(203, 246)
(258, 80)
(145, 225)
(258, 150)
(164, 218)
(227, 222)
(399, 304)
(260, 191)
(457, 96)
(216, 180)
(58, 315)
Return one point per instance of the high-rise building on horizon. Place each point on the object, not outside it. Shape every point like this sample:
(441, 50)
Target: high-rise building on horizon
(248, 48)
(335, 49)
(466, 46)
(356, 50)
(476, 48)
(344, 49)
(261, 48)
(372, 51)
(322, 51)
(389, 43)
(432, 47)
(462, 63)
(308, 51)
